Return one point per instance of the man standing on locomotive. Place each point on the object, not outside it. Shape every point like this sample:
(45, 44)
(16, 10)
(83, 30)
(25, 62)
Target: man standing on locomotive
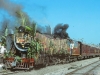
(71, 47)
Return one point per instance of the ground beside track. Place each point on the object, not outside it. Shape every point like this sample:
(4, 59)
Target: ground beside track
(56, 69)
(95, 71)
(86, 69)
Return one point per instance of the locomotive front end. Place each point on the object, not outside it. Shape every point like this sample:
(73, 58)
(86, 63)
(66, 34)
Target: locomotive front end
(22, 41)
(23, 38)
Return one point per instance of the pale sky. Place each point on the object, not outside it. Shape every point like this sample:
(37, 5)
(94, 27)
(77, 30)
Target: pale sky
(82, 16)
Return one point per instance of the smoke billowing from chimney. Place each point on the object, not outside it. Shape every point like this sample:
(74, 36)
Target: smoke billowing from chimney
(60, 31)
(15, 10)
(10, 7)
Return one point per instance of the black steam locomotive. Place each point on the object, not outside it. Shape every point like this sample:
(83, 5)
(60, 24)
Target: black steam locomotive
(47, 50)
(21, 42)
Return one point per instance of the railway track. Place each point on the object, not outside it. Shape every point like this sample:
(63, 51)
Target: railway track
(60, 69)
(86, 69)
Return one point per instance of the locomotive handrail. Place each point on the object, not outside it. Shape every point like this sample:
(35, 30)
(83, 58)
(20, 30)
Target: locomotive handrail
(17, 46)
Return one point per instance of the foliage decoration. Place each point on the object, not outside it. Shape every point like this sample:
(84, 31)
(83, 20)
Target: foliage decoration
(34, 49)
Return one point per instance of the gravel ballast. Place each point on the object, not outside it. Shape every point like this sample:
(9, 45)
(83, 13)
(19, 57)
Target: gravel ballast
(60, 69)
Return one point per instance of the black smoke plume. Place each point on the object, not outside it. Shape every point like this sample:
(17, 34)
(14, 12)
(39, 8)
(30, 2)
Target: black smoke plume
(10, 7)
(60, 31)
(16, 11)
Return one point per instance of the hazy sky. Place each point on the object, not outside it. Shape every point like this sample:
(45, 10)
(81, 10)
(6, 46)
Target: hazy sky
(83, 16)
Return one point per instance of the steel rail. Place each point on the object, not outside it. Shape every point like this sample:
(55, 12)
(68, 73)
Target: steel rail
(79, 69)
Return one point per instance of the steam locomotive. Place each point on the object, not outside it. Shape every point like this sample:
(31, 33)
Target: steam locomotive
(43, 49)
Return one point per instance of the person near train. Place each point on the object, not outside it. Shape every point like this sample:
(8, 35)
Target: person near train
(71, 47)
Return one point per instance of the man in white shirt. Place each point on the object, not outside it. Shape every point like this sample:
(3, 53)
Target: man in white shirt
(71, 47)
(2, 49)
